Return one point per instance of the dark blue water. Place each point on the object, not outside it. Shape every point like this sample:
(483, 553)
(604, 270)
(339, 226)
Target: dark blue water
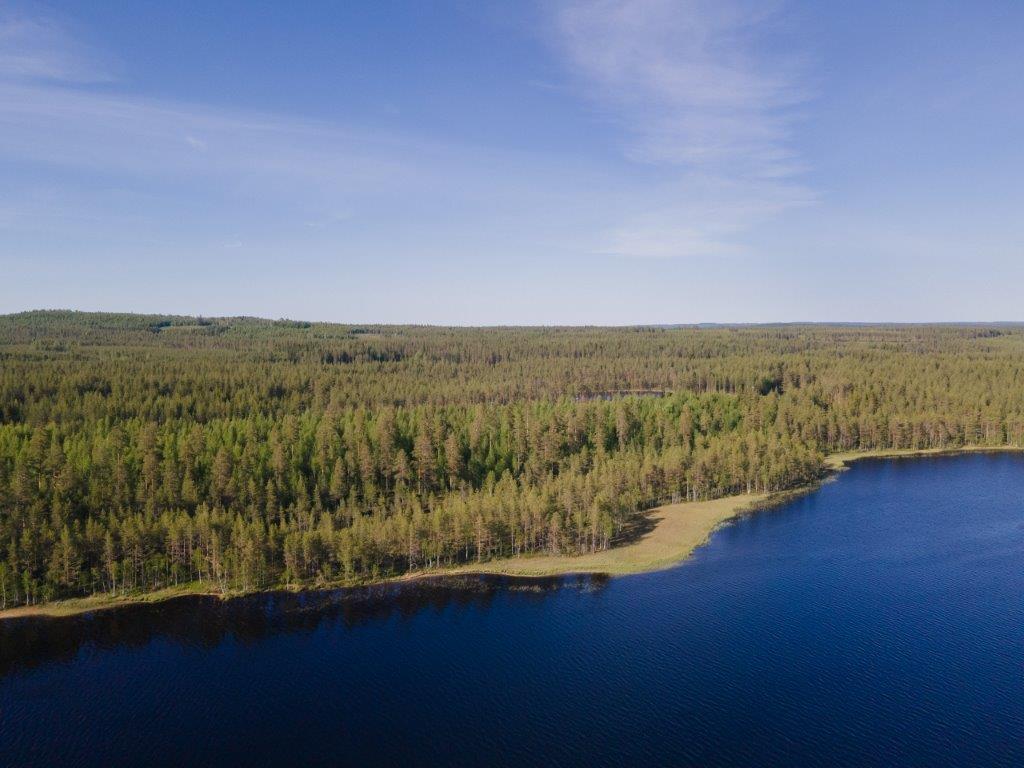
(878, 621)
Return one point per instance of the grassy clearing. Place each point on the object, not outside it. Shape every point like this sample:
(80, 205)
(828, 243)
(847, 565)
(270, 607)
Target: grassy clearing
(674, 531)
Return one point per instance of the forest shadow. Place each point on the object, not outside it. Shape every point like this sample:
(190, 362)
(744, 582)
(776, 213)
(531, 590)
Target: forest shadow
(637, 528)
(205, 621)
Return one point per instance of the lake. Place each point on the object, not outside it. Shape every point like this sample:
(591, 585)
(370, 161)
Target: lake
(876, 621)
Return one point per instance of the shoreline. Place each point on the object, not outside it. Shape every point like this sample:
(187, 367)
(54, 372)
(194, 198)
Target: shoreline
(839, 461)
(677, 531)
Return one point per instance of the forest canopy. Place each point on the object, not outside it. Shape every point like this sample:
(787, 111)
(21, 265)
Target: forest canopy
(141, 451)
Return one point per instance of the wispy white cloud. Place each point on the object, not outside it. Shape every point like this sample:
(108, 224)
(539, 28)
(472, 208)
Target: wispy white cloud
(41, 49)
(694, 91)
(686, 78)
(698, 214)
(123, 132)
(267, 167)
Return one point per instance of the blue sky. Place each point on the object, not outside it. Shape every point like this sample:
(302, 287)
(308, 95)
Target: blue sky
(613, 162)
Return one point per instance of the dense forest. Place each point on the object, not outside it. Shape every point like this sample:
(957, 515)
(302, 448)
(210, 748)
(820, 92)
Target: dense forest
(138, 452)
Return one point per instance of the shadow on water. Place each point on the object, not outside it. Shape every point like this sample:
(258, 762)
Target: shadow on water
(206, 621)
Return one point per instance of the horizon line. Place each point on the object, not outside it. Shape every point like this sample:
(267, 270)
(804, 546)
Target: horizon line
(468, 326)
